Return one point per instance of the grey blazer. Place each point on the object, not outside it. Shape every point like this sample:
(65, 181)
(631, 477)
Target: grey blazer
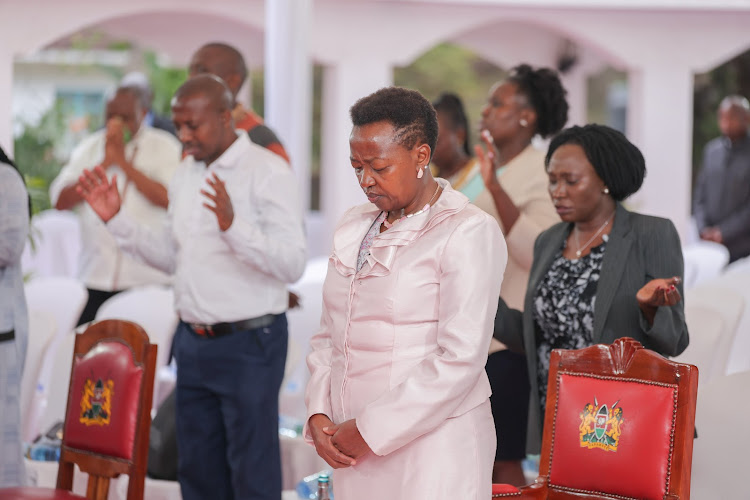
(640, 248)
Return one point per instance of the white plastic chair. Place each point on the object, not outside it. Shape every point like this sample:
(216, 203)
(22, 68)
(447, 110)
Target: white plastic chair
(739, 266)
(712, 312)
(56, 390)
(42, 327)
(57, 245)
(705, 325)
(151, 307)
(63, 298)
(720, 452)
(60, 296)
(739, 356)
(703, 260)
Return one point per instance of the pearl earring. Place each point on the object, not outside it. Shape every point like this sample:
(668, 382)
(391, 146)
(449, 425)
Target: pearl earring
(606, 190)
(420, 173)
(523, 122)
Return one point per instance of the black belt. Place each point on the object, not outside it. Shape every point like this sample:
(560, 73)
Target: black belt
(7, 336)
(220, 329)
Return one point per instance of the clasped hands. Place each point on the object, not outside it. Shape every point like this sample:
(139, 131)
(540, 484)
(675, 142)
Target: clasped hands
(114, 145)
(339, 445)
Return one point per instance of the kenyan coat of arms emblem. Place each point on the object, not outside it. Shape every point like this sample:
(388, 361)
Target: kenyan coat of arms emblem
(96, 403)
(601, 426)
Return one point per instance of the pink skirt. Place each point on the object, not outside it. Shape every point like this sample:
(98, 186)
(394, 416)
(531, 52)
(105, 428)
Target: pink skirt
(454, 461)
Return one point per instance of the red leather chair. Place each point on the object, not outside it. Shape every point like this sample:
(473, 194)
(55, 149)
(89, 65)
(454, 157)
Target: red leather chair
(619, 424)
(107, 421)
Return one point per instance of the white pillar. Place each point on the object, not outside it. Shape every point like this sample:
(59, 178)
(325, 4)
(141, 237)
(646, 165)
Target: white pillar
(343, 84)
(659, 122)
(6, 100)
(288, 83)
(576, 83)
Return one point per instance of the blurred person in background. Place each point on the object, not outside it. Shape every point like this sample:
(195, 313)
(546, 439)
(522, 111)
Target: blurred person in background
(139, 81)
(721, 203)
(453, 159)
(528, 103)
(144, 160)
(14, 230)
(227, 63)
(600, 274)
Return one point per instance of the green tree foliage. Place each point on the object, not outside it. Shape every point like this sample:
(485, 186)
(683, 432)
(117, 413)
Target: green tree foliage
(451, 68)
(34, 152)
(164, 82)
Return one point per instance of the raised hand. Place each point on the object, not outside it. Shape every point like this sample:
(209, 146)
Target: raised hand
(347, 439)
(99, 192)
(222, 204)
(487, 160)
(656, 293)
(323, 444)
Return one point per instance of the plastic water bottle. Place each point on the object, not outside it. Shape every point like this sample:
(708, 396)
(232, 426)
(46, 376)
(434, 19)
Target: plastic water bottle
(307, 489)
(323, 487)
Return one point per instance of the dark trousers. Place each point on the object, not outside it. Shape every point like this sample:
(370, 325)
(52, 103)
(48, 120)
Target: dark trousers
(509, 380)
(228, 412)
(96, 299)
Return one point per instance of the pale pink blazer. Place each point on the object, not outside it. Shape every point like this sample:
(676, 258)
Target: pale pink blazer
(402, 348)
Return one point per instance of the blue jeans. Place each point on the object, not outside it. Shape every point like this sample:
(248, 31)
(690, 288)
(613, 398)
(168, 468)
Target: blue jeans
(228, 412)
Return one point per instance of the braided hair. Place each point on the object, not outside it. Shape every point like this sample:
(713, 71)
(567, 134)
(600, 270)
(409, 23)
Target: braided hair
(450, 105)
(616, 160)
(411, 115)
(546, 95)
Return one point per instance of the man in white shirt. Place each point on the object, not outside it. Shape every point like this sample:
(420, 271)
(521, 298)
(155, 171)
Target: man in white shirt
(234, 238)
(144, 160)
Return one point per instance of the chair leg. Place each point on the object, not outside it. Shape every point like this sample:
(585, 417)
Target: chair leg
(98, 488)
(65, 476)
(136, 486)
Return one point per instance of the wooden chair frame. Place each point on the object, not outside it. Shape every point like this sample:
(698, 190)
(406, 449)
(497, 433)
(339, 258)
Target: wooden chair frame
(102, 469)
(624, 359)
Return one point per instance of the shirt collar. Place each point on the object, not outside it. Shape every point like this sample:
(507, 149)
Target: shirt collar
(230, 158)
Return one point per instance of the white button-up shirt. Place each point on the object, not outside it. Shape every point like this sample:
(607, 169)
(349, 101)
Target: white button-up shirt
(103, 266)
(239, 273)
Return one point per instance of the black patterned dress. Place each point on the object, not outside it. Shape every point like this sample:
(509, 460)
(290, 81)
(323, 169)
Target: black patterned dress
(564, 308)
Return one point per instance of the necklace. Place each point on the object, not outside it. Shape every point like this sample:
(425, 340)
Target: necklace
(389, 225)
(579, 248)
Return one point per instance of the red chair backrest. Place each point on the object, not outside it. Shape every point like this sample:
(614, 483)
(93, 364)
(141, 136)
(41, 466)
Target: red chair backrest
(619, 421)
(108, 421)
(103, 400)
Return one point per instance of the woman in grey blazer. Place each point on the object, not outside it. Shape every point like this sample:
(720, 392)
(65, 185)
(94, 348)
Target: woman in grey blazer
(601, 274)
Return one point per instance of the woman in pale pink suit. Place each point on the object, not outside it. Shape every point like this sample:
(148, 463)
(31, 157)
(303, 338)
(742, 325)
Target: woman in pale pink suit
(398, 396)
